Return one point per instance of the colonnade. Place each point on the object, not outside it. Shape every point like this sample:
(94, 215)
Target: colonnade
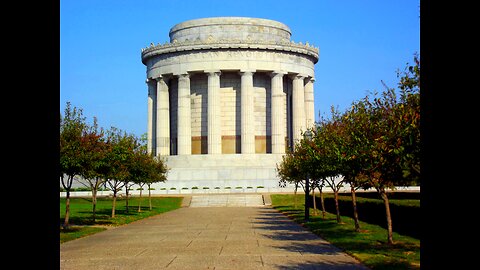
(159, 107)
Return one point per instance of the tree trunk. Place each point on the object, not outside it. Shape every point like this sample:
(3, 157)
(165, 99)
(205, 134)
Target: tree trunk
(67, 188)
(126, 199)
(149, 198)
(114, 202)
(384, 196)
(314, 202)
(67, 210)
(322, 202)
(295, 196)
(337, 208)
(140, 201)
(94, 204)
(355, 212)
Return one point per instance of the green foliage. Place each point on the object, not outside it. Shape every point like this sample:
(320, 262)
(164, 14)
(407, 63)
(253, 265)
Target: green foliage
(375, 143)
(72, 126)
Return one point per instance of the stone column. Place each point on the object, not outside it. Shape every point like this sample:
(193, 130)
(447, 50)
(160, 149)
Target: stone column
(309, 104)
(277, 112)
(247, 117)
(214, 113)
(152, 95)
(163, 119)
(298, 107)
(184, 125)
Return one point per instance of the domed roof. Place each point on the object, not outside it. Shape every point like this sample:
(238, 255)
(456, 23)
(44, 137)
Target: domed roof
(230, 28)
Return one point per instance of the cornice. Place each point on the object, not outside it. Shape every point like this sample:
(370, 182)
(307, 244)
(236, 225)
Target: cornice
(286, 46)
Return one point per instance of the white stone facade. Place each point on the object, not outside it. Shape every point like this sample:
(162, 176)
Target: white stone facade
(226, 97)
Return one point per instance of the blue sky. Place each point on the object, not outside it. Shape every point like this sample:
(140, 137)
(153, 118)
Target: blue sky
(361, 43)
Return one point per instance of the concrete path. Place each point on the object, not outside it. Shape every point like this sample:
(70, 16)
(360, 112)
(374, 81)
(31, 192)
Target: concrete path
(206, 238)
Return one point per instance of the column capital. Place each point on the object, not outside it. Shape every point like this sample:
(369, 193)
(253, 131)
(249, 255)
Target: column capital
(247, 72)
(298, 76)
(310, 79)
(214, 73)
(277, 73)
(156, 79)
(161, 78)
(183, 75)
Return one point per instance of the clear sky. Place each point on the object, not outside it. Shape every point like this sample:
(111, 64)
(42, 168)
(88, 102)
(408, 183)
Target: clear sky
(361, 43)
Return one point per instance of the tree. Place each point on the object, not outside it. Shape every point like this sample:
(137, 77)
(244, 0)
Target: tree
(146, 171)
(95, 163)
(288, 171)
(72, 125)
(119, 157)
(292, 170)
(388, 137)
(328, 157)
(349, 162)
(158, 173)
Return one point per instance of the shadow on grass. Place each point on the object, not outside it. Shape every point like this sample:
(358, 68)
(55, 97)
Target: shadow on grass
(103, 216)
(365, 245)
(70, 229)
(326, 265)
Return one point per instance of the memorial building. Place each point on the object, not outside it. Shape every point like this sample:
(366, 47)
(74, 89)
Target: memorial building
(227, 96)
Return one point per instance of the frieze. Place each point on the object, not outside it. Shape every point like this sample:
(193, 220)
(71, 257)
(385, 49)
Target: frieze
(219, 55)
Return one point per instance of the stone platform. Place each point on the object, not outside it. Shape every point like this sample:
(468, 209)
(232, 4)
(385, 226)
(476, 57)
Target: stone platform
(232, 171)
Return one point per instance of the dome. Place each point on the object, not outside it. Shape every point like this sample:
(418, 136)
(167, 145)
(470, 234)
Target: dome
(230, 28)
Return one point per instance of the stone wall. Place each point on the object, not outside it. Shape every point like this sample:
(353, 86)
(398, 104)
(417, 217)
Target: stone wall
(230, 111)
(198, 90)
(262, 112)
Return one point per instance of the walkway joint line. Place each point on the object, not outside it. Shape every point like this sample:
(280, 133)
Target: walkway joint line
(171, 261)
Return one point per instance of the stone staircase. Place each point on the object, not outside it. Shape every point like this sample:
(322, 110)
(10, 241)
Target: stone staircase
(227, 200)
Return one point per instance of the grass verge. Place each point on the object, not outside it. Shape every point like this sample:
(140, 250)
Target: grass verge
(368, 246)
(81, 213)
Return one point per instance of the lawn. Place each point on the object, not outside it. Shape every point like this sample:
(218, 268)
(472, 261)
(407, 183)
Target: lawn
(81, 213)
(369, 246)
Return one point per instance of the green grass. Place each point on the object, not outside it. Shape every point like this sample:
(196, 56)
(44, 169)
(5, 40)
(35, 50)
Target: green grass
(369, 246)
(81, 213)
(75, 232)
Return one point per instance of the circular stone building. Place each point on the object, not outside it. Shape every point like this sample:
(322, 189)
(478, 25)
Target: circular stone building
(227, 96)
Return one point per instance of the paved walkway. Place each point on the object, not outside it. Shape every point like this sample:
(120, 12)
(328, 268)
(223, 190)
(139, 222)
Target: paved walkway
(206, 238)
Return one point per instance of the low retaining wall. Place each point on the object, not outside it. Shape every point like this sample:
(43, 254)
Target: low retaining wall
(218, 191)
